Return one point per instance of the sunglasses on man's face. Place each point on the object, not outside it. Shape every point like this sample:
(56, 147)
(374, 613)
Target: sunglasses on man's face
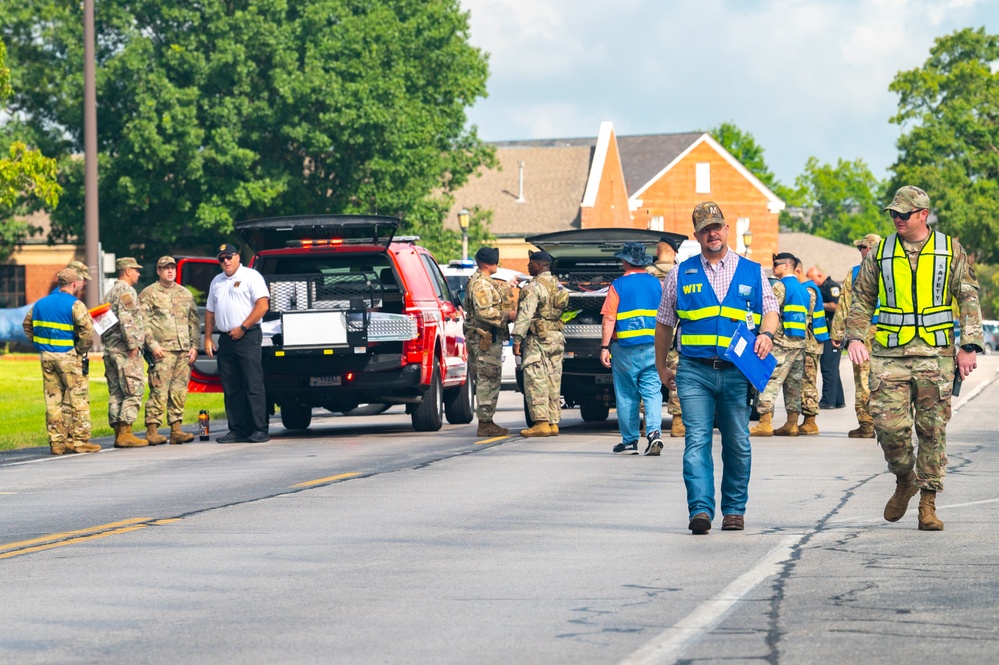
(225, 257)
(904, 216)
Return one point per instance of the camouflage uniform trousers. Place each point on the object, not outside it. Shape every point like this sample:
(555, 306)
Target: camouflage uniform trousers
(125, 387)
(63, 383)
(913, 390)
(810, 389)
(862, 397)
(168, 379)
(543, 381)
(789, 375)
(488, 367)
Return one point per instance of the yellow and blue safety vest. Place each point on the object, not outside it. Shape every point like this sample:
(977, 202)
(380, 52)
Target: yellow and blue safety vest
(706, 325)
(877, 308)
(639, 294)
(52, 320)
(915, 301)
(819, 327)
(794, 316)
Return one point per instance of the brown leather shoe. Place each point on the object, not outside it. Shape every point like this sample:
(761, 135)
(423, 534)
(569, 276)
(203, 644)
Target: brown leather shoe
(700, 524)
(733, 523)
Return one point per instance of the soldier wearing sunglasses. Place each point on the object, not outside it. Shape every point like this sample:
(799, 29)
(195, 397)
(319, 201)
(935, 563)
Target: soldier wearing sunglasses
(917, 274)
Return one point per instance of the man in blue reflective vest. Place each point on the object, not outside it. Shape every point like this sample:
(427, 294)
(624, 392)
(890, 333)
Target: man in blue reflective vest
(706, 297)
(816, 335)
(61, 330)
(629, 318)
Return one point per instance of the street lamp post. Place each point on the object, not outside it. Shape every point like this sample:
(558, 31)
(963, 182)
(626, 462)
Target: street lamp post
(464, 217)
(747, 240)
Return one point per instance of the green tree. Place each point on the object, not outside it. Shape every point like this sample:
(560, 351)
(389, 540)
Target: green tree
(844, 200)
(949, 112)
(27, 178)
(213, 112)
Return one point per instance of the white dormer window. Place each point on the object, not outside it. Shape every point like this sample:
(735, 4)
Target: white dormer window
(657, 223)
(703, 185)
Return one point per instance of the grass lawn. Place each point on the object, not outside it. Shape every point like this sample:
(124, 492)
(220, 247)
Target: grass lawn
(22, 405)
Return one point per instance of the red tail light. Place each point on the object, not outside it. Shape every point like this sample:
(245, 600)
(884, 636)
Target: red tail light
(412, 351)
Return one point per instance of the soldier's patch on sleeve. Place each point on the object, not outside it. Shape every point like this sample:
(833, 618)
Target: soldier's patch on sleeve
(482, 299)
(127, 301)
(834, 292)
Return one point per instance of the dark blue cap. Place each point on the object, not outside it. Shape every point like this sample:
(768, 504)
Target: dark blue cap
(541, 256)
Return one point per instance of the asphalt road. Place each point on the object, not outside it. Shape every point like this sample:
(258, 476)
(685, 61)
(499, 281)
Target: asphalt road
(364, 542)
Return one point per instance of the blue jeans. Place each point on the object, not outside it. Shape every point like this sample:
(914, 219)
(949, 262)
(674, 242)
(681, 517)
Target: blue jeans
(636, 378)
(709, 395)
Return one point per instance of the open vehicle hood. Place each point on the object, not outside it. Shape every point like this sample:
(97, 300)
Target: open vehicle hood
(598, 243)
(317, 230)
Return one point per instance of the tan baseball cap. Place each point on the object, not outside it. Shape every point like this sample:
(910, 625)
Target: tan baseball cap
(870, 241)
(81, 269)
(126, 262)
(706, 214)
(909, 198)
(166, 261)
(67, 276)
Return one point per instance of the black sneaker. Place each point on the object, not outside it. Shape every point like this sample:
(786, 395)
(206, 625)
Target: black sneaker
(232, 437)
(655, 444)
(259, 437)
(626, 448)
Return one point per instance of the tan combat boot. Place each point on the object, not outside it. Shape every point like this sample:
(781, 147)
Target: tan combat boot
(553, 429)
(905, 489)
(790, 428)
(177, 435)
(153, 436)
(766, 426)
(59, 449)
(808, 428)
(928, 520)
(126, 439)
(677, 429)
(865, 431)
(489, 428)
(86, 448)
(536, 430)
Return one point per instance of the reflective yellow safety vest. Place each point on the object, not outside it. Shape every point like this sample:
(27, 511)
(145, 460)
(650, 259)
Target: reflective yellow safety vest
(915, 301)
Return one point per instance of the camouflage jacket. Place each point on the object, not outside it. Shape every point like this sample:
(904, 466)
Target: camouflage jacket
(486, 307)
(780, 339)
(171, 318)
(539, 315)
(838, 328)
(129, 332)
(963, 287)
(659, 270)
(83, 327)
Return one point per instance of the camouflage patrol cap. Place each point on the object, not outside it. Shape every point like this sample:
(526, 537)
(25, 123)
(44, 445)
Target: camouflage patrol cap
(870, 241)
(706, 214)
(67, 276)
(909, 198)
(126, 262)
(166, 261)
(81, 269)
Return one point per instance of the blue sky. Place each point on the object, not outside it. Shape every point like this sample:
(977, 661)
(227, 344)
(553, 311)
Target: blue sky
(806, 78)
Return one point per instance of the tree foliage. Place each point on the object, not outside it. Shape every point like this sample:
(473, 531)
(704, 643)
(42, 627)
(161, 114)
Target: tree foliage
(213, 112)
(949, 112)
(27, 178)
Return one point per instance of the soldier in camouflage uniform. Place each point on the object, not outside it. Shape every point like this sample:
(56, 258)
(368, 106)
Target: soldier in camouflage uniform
(913, 358)
(788, 349)
(862, 397)
(172, 330)
(67, 407)
(538, 339)
(815, 335)
(487, 327)
(61, 330)
(665, 261)
(123, 343)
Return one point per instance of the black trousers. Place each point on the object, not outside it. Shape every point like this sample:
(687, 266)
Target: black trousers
(242, 377)
(832, 385)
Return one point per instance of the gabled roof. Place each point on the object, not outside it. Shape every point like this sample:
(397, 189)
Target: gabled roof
(554, 183)
(835, 259)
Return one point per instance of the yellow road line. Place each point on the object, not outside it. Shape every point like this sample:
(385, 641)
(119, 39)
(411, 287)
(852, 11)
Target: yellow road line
(70, 534)
(72, 541)
(495, 438)
(320, 481)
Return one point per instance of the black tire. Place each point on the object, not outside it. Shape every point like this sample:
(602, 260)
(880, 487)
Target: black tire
(527, 414)
(368, 410)
(428, 416)
(593, 412)
(296, 416)
(459, 403)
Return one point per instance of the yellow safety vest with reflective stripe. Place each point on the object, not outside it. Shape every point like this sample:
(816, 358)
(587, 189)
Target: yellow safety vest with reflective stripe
(915, 301)
(639, 294)
(52, 323)
(706, 326)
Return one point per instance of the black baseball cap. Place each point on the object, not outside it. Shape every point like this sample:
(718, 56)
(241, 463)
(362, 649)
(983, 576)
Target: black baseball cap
(227, 248)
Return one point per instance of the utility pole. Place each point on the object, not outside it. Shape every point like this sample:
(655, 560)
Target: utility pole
(91, 225)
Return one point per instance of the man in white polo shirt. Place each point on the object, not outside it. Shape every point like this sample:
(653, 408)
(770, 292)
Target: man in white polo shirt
(237, 300)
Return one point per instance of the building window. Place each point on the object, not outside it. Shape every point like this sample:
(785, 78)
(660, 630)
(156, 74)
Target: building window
(12, 286)
(657, 223)
(703, 185)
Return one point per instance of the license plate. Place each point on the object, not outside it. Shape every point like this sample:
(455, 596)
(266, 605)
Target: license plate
(323, 381)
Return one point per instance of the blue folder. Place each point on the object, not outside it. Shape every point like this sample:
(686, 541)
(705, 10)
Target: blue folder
(740, 353)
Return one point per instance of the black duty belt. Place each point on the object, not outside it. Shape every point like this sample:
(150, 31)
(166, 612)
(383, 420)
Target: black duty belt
(715, 363)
